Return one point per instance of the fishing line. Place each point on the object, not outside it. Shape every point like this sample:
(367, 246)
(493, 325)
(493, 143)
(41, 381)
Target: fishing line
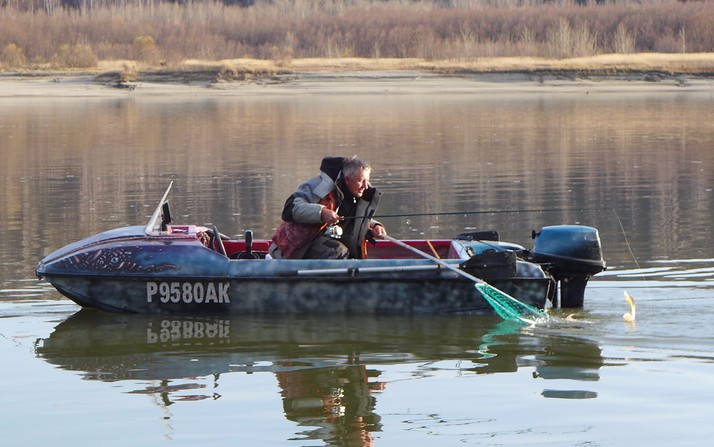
(462, 213)
(630, 316)
(19, 344)
(627, 243)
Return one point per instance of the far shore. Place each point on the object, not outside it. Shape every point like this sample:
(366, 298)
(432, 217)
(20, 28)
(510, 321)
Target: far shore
(605, 73)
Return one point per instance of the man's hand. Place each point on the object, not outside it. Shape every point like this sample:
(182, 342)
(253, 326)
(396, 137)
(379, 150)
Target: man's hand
(329, 217)
(378, 231)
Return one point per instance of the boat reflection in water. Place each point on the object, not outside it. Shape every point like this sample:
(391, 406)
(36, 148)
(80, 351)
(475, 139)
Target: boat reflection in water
(322, 364)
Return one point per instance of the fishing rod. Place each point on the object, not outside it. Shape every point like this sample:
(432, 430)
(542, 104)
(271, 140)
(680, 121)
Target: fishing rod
(460, 213)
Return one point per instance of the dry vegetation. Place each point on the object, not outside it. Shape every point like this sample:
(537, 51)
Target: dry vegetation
(273, 36)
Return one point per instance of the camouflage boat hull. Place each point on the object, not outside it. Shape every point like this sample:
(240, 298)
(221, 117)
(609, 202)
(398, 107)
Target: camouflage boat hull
(134, 273)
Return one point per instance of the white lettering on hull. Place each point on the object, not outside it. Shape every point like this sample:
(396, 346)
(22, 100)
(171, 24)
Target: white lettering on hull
(188, 292)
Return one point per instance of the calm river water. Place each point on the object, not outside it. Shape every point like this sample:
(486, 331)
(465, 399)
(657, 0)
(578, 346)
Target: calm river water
(639, 166)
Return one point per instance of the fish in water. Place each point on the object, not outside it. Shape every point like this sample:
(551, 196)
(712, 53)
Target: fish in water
(629, 316)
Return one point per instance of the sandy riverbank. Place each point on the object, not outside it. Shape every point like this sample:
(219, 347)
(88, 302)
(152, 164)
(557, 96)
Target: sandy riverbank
(603, 74)
(348, 84)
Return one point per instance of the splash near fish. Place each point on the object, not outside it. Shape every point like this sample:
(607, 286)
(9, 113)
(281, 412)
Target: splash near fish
(630, 316)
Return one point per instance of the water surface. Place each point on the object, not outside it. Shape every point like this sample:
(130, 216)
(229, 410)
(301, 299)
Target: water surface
(636, 166)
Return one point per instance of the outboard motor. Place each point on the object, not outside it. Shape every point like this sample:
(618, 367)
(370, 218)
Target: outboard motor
(571, 254)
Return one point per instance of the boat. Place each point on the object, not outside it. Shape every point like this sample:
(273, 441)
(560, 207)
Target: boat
(162, 267)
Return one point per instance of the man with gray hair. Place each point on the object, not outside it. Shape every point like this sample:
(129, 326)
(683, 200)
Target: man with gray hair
(330, 216)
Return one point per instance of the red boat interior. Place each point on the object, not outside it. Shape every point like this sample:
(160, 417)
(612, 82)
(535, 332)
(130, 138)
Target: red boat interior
(258, 249)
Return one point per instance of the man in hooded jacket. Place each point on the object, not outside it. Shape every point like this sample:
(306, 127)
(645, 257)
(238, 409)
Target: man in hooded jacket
(340, 196)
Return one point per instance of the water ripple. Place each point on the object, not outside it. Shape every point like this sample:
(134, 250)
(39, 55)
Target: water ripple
(674, 269)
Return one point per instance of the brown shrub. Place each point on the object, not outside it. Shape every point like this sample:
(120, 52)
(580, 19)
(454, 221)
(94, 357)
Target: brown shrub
(146, 50)
(12, 56)
(281, 30)
(622, 40)
(74, 56)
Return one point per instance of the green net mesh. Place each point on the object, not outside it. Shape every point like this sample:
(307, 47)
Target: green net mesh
(510, 308)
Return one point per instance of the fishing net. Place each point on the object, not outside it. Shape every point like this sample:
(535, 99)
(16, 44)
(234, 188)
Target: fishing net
(510, 308)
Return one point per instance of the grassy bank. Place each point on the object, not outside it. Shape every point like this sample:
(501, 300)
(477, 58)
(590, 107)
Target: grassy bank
(648, 66)
(453, 36)
(652, 67)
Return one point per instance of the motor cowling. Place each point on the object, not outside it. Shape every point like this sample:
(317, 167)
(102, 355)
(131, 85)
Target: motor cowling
(572, 254)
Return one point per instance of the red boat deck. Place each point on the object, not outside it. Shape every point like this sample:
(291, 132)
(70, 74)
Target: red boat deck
(381, 250)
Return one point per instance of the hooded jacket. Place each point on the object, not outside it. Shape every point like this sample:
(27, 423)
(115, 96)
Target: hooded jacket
(301, 215)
